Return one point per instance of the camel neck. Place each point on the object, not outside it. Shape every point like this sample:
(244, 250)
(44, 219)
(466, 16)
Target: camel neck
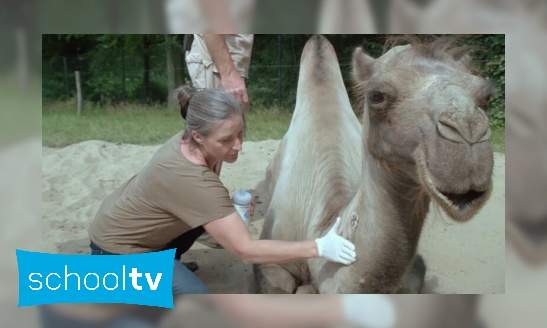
(388, 228)
(391, 197)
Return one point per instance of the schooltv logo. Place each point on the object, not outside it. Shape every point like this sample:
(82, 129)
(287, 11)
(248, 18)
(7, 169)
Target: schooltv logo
(143, 279)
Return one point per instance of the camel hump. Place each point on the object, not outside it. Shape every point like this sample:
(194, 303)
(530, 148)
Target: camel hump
(319, 63)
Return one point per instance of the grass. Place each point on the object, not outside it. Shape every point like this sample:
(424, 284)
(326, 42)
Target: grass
(497, 140)
(134, 124)
(140, 125)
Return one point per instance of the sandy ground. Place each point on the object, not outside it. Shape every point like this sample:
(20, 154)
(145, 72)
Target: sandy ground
(461, 258)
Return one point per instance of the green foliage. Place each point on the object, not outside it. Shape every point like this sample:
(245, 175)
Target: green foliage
(155, 92)
(132, 68)
(113, 68)
(103, 88)
(490, 63)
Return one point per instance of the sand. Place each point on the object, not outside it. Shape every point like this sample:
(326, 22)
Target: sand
(461, 258)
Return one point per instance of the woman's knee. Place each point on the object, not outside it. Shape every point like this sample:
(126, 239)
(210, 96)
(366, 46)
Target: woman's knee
(186, 282)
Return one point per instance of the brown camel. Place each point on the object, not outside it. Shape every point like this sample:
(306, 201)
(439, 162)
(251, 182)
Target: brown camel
(424, 136)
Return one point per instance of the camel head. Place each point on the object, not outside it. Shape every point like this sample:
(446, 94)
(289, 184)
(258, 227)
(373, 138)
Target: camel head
(424, 121)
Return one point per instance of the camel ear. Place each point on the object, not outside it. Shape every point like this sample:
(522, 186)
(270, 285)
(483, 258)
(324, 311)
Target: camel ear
(362, 65)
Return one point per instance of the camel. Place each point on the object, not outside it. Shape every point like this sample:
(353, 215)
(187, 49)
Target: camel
(526, 209)
(424, 138)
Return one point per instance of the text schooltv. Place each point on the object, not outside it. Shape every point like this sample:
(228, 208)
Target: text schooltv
(143, 279)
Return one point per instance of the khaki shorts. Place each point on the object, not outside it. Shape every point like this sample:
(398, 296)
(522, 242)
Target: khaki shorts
(202, 77)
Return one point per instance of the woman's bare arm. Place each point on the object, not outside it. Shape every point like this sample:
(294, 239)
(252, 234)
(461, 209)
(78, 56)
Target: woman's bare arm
(231, 233)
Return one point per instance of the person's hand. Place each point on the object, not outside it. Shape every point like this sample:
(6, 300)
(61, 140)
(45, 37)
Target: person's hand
(335, 248)
(374, 311)
(235, 85)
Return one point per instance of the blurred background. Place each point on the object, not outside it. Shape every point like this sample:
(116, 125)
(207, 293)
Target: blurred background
(29, 29)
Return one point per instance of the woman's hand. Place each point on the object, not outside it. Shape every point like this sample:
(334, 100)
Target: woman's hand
(335, 248)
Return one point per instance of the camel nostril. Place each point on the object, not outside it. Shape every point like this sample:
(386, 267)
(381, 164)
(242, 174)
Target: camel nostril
(448, 131)
(483, 130)
(462, 128)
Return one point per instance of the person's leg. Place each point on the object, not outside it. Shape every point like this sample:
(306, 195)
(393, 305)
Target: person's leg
(212, 79)
(185, 282)
(183, 243)
(96, 250)
(195, 67)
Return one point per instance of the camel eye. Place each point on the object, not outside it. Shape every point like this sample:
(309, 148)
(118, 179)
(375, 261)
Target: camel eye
(376, 97)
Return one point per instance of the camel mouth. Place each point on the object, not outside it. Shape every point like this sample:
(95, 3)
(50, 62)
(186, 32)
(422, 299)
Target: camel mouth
(460, 206)
(461, 201)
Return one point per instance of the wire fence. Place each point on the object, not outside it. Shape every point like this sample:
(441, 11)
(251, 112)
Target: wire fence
(121, 81)
(118, 75)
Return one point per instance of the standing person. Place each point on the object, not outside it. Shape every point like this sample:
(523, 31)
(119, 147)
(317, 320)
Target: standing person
(178, 196)
(220, 61)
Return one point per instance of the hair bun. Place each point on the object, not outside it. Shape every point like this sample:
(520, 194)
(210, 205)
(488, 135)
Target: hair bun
(183, 94)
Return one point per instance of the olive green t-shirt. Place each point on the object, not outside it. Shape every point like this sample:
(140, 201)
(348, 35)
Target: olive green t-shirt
(170, 196)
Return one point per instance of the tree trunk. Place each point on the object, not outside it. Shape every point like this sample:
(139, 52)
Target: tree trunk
(180, 62)
(146, 77)
(170, 56)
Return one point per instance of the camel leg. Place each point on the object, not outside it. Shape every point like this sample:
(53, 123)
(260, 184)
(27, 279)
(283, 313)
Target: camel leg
(413, 282)
(272, 171)
(273, 279)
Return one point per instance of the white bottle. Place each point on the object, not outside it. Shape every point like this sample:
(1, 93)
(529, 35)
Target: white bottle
(242, 202)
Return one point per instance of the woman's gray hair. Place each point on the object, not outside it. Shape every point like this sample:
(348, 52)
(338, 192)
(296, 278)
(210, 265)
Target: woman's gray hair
(203, 109)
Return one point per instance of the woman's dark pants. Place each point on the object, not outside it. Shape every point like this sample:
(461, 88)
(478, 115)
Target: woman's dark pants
(184, 280)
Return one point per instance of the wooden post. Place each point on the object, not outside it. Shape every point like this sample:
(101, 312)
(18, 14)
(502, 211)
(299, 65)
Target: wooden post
(123, 74)
(79, 93)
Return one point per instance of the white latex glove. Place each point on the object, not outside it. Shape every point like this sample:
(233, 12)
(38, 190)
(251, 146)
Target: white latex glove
(335, 248)
(370, 311)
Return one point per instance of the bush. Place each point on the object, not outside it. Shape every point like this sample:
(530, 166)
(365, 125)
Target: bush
(156, 93)
(490, 63)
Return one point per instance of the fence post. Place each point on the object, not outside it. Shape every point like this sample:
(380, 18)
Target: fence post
(279, 73)
(66, 77)
(78, 92)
